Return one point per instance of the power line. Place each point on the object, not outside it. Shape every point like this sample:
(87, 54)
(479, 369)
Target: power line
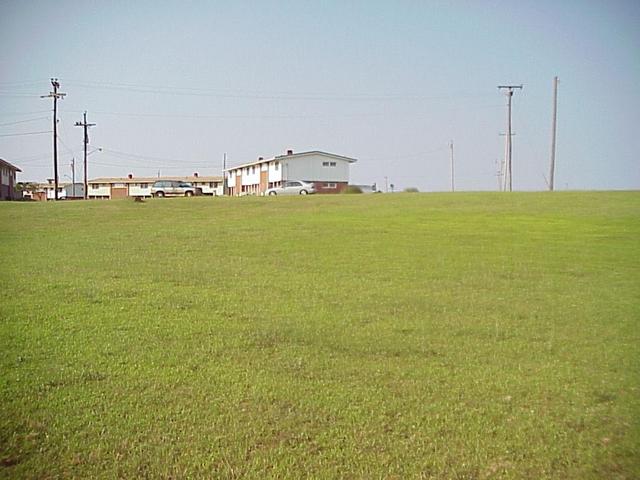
(20, 114)
(18, 95)
(26, 133)
(85, 127)
(385, 114)
(453, 188)
(170, 90)
(55, 95)
(22, 82)
(508, 162)
(552, 166)
(22, 121)
(143, 157)
(402, 157)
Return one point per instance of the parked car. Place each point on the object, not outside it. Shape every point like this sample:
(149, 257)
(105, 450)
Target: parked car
(174, 188)
(292, 187)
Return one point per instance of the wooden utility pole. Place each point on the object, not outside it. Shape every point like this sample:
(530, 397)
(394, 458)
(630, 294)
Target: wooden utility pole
(453, 188)
(552, 166)
(73, 177)
(509, 163)
(55, 95)
(85, 126)
(224, 175)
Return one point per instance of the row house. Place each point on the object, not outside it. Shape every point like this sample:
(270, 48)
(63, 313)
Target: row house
(130, 186)
(328, 172)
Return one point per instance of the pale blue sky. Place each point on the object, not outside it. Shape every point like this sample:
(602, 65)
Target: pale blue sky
(174, 85)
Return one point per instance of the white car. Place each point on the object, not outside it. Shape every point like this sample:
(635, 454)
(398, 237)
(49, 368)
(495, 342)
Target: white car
(292, 187)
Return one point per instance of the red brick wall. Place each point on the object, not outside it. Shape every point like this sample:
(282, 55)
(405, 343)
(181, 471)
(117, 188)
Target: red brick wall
(264, 181)
(238, 183)
(340, 187)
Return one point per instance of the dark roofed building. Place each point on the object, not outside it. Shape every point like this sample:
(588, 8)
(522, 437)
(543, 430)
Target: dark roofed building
(8, 180)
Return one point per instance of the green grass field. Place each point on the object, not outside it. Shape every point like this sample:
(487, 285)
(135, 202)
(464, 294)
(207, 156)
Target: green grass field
(454, 336)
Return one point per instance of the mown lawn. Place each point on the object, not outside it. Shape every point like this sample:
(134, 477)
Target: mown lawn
(456, 336)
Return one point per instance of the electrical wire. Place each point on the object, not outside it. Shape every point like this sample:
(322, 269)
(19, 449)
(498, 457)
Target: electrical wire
(134, 156)
(20, 114)
(22, 82)
(30, 95)
(199, 92)
(26, 133)
(22, 121)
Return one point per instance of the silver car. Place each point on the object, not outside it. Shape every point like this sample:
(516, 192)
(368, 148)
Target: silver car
(167, 188)
(292, 187)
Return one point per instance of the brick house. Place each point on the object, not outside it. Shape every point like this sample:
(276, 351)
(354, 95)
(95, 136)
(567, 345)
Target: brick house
(8, 180)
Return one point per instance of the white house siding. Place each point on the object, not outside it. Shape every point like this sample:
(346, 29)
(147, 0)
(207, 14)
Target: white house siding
(208, 189)
(275, 172)
(251, 175)
(99, 190)
(51, 195)
(310, 167)
(139, 189)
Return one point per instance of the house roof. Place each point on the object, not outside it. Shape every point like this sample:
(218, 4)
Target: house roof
(291, 156)
(4, 163)
(190, 178)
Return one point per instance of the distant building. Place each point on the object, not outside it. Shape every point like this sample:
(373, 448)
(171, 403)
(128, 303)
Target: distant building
(328, 172)
(130, 186)
(46, 191)
(73, 191)
(8, 181)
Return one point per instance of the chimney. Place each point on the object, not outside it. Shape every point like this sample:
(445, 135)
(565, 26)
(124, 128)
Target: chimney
(50, 180)
(195, 174)
(130, 176)
(260, 159)
(289, 152)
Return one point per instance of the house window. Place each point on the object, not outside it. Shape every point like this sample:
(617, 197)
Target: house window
(332, 164)
(330, 185)
(328, 164)
(253, 170)
(95, 186)
(276, 166)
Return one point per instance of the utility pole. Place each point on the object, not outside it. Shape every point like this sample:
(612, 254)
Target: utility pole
(453, 188)
(552, 167)
(55, 95)
(224, 174)
(509, 163)
(85, 126)
(386, 185)
(73, 177)
(499, 174)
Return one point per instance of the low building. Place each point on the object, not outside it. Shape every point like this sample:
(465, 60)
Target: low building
(46, 191)
(73, 191)
(328, 172)
(130, 186)
(8, 181)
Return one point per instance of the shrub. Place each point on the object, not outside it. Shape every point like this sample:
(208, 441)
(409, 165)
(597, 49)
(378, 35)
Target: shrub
(411, 190)
(353, 189)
